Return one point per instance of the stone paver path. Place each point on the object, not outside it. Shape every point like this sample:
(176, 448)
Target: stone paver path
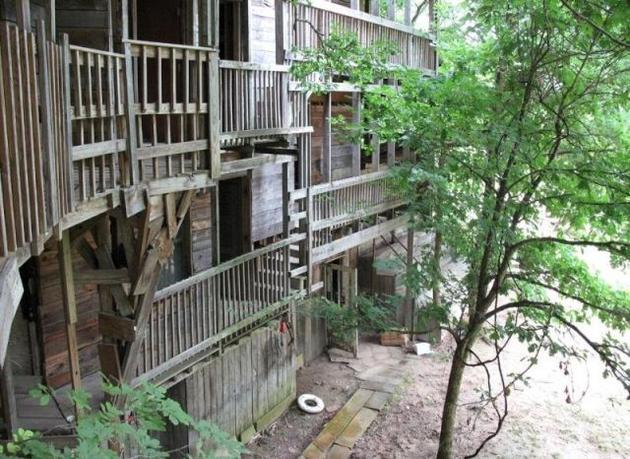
(381, 370)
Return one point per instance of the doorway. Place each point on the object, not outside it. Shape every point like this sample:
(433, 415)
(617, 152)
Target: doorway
(234, 217)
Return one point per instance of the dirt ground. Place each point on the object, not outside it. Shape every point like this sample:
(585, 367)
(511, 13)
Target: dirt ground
(540, 422)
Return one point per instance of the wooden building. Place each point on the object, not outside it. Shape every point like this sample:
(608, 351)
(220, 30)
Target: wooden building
(169, 196)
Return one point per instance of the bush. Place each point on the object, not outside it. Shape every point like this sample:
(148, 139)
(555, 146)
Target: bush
(128, 427)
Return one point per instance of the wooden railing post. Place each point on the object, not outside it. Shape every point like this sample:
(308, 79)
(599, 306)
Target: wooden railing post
(214, 119)
(132, 143)
(327, 140)
(69, 167)
(50, 164)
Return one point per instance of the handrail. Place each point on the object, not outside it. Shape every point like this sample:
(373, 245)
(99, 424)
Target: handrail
(169, 45)
(343, 183)
(95, 51)
(343, 10)
(237, 65)
(227, 265)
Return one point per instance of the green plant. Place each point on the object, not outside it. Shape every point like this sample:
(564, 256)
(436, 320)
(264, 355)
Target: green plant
(368, 314)
(521, 147)
(116, 429)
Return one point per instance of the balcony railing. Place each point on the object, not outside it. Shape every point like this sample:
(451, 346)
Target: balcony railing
(353, 198)
(311, 21)
(77, 124)
(23, 190)
(97, 99)
(175, 102)
(195, 314)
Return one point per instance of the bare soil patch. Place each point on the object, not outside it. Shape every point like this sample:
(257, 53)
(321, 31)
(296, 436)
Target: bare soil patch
(596, 424)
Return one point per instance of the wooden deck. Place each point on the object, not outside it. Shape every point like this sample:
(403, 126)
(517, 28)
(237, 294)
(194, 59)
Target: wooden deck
(315, 19)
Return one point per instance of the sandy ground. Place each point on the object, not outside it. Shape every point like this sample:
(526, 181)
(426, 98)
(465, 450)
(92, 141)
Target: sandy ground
(540, 422)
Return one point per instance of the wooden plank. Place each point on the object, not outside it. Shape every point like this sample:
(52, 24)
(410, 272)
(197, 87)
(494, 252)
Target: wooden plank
(70, 307)
(338, 424)
(109, 360)
(345, 243)
(214, 122)
(377, 401)
(7, 397)
(339, 452)
(357, 427)
(48, 150)
(117, 327)
(102, 276)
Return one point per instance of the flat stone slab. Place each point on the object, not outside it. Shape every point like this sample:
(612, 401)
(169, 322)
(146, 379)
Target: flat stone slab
(339, 452)
(340, 356)
(379, 386)
(312, 452)
(357, 427)
(377, 401)
(336, 426)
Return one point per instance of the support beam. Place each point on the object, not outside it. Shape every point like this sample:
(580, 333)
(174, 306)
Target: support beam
(7, 398)
(326, 163)
(70, 307)
(356, 120)
(353, 240)
(51, 20)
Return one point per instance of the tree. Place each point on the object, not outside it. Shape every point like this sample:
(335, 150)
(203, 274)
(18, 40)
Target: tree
(522, 160)
(126, 429)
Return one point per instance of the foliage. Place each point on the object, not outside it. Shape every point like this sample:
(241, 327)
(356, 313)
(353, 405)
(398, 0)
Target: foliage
(369, 314)
(522, 162)
(112, 429)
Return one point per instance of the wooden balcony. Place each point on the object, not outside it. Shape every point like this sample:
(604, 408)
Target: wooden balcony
(368, 202)
(79, 125)
(191, 318)
(256, 102)
(310, 21)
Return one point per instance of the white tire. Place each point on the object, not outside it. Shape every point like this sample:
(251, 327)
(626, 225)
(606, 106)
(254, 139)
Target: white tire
(310, 403)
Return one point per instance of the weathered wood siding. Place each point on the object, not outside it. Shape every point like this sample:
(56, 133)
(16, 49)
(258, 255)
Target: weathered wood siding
(262, 32)
(52, 325)
(85, 22)
(267, 200)
(341, 149)
(312, 337)
(242, 389)
(202, 230)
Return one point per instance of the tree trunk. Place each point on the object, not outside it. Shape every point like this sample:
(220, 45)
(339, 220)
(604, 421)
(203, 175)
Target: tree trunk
(437, 284)
(449, 412)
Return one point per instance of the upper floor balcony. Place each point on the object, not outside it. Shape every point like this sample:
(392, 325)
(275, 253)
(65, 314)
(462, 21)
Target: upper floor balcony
(78, 125)
(308, 22)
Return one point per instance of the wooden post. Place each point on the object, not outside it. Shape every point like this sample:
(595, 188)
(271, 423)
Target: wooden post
(285, 200)
(281, 30)
(327, 140)
(7, 394)
(68, 118)
(51, 20)
(214, 121)
(50, 178)
(132, 144)
(23, 14)
(376, 152)
(194, 21)
(375, 7)
(356, 119)
(408, 12)
(70, 307)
